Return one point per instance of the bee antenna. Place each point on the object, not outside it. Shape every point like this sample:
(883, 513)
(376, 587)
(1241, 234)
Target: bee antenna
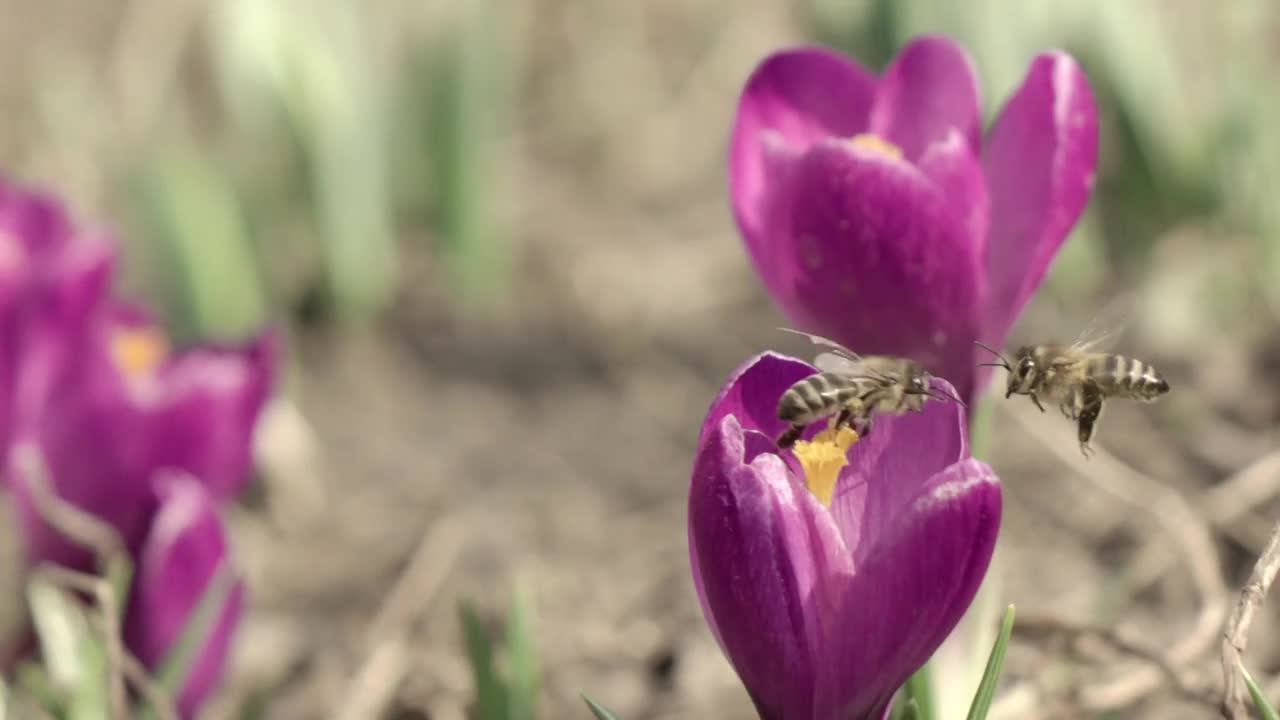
(1003, 362)
(940, 395)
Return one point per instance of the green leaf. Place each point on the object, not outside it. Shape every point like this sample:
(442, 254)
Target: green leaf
(1259, 700)
(987, 688)
(210, 266)
(181, 658)
(72, 652)
(910, 710)
(919, 689)
(980, 424)
(523, 683)
(33, 680)
(601, 712)
(467, 102)
(491, 692)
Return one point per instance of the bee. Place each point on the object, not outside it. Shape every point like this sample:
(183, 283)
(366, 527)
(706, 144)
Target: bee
(1079, 378)
(852, 388)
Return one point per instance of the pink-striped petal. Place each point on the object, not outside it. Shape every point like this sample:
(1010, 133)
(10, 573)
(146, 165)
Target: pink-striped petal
(926, 92)
(793, 99)
(1039, 162)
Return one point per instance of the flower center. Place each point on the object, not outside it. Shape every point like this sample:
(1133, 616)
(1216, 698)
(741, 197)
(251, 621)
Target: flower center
(137, 352)
(877, 144)
(823, 458)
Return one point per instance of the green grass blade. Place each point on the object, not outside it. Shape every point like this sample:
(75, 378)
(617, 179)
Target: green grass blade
(601, 712)
(181, 658)
(919, 689)
(491, 691)
(987, 688)
(523, 681)
(1259, 700)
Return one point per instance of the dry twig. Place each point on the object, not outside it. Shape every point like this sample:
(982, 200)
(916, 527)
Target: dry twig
(379, 676)
(1168, 510)
(1236, 635)
(1045, 626)
(87, 530)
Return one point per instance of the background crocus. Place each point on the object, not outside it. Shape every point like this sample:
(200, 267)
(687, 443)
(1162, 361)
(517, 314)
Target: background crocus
(824, 611)
(184, 550)
(877, 214)
(145, 438)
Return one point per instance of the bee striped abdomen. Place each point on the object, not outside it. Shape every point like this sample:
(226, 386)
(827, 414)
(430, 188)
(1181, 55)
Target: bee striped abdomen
(1120, 376)
(815, 397)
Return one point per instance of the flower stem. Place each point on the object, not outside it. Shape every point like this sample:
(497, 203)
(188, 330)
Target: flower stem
(980, 425)
(919, 687)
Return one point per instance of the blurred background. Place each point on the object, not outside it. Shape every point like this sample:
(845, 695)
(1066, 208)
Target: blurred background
(497, 235)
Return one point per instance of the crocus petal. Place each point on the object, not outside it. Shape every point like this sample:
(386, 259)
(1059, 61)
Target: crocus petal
(752, 392)
(1039, 162)
(928, 90)
(952, 165)
(208, 405)
(913, 588)
(764, 552)
(889, 468)
(877, 259)
(798, 96)
(184, 550)
(36, 219)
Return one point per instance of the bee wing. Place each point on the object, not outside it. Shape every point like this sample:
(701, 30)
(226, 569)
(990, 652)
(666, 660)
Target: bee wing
(1106, 327)
(839, 359)
(836, 363)
(827, 342)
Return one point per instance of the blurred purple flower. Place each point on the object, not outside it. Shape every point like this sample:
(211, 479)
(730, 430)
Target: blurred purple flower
(875, 213)
(145, 438)
(184, 550)
(126, 409)
(825, 610)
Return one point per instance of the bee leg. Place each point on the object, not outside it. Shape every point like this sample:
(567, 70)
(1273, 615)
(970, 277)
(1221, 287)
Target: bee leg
(789, 436)
(844, 419)
(1071, 405)
(863, 428)
(1036, 400)
(1090, 412)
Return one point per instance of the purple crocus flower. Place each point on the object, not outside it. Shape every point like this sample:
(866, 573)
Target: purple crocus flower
(127, 409)
(185, 548)
(877, 215)
(827, 584)
(143, 437)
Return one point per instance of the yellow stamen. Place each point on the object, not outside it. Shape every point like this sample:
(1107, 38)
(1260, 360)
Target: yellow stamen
(822, 459)
(138, 351)
(877, 144)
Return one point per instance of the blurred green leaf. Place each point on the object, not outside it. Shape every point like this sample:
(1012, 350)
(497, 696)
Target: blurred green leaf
(1259, 700)
(179, 661)
(601, 712)
(491, 691)
(987, 688)
(910, 710)
(188, 204)
(468, 76)
(919, 689)
(523, 683)
(33, 679)
(314, 60)
(72, 652)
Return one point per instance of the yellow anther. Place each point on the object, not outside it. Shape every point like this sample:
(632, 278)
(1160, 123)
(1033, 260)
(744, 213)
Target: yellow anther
(138, 351)
(823, 458)
(877, 144)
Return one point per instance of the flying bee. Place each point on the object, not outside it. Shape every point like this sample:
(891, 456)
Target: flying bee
(1079, 378)
(852, 388)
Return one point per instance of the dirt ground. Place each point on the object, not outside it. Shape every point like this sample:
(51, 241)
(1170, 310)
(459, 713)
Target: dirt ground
(448, 452)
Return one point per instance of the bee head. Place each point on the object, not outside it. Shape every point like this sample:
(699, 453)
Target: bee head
(1024, 372)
